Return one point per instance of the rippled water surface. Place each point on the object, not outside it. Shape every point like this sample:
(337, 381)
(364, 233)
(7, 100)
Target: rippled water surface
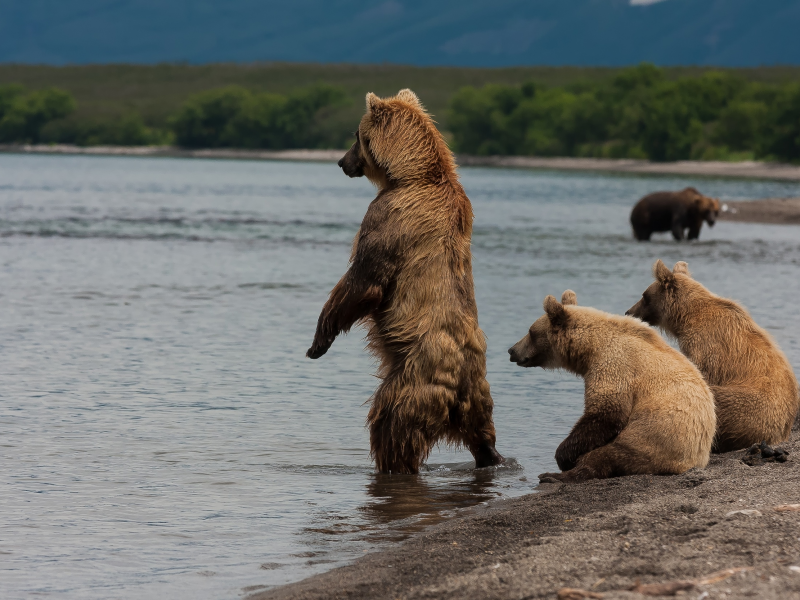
(162, 434)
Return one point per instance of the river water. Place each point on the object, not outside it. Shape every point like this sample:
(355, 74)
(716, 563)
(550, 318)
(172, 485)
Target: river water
(162, 433)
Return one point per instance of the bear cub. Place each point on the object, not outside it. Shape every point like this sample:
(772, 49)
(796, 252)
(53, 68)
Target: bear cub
(647, 408)
(410, 283)
(754, 387)
(673, 211)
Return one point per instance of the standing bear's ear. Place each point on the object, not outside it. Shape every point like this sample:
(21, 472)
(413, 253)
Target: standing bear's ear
(555, 312)
(569, 298)
(406, 95)
(662, 273)
(682, 268)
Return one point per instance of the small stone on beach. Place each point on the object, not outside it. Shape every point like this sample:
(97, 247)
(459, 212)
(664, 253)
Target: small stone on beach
(577, 594)
(747, 512)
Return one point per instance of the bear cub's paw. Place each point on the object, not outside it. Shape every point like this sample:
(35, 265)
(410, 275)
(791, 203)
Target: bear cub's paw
(551, 477)
(758, 454)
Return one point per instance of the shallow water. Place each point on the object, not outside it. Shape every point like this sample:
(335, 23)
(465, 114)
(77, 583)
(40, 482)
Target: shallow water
(162, 434)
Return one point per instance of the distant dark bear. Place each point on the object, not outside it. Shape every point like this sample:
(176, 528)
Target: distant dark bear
(673, 211)
(410, 283)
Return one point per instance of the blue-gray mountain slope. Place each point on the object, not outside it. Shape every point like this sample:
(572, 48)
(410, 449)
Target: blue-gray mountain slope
(419, 32)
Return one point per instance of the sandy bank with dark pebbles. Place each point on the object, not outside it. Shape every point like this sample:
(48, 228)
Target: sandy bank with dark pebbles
(604, 537)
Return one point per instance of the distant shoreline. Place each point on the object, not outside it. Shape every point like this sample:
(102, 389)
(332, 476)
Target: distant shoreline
(175, 152)
(740, 170)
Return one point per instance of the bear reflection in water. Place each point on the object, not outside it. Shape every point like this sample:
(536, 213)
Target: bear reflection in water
(647, 408)
(400, 505)
(414, 499)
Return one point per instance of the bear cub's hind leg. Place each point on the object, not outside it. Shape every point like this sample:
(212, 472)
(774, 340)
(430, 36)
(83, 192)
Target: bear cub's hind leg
(612, 460)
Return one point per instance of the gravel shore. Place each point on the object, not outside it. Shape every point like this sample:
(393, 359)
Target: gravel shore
(777, 211)
(721, 532)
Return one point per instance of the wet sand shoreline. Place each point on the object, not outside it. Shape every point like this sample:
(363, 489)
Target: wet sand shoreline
(745, 169)
(600, 536)
(776, 211)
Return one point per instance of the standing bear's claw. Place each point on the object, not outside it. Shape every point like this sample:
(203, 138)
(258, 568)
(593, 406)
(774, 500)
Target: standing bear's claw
(317, 350)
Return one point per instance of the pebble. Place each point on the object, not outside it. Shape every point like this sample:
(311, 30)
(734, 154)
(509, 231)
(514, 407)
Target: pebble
(748, 512)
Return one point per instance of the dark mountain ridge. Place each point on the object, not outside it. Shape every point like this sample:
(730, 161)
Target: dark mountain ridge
(415, 32)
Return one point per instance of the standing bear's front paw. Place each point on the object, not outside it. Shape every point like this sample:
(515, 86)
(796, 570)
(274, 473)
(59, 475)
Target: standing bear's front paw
(318, 348)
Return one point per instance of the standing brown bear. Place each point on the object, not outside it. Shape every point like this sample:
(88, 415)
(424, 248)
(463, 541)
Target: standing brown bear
(754, 387)
(673, 211)
(646, 407)
(410, 283)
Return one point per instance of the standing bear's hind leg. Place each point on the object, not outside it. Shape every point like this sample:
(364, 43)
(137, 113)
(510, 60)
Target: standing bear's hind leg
(474, 420)
(405, 422)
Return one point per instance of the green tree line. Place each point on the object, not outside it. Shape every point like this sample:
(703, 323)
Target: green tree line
(236, 117)
(638, 114)
(24, 114)
(227, 117)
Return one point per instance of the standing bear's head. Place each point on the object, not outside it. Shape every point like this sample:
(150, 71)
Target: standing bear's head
(536, 348)
(708, 208)
(662, 303)
(397, 141)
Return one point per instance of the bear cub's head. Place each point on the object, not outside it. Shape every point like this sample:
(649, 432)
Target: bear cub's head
(398, 141)
(658, 302)
(536, 349)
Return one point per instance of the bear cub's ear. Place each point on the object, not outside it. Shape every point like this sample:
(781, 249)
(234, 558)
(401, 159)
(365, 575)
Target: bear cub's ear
(555, 312)
(569, 298)
(373, 102)
(406, 95)
(662, 273)
(682, 268)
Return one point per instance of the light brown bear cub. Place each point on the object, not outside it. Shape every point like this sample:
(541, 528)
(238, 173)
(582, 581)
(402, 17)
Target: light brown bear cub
(410, 282)
(754, 388)
(646, 407)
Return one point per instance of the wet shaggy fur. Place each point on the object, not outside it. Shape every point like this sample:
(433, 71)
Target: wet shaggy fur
(647, 408)
(410, 282)
(755, 389)
(673, 211)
